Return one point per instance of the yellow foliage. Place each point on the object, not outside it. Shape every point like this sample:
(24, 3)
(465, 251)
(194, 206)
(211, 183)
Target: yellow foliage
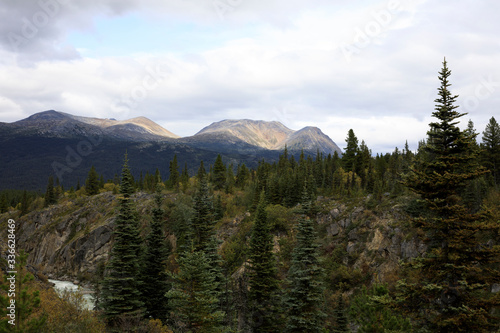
(67, 313)
(156, 326)
(109, 187)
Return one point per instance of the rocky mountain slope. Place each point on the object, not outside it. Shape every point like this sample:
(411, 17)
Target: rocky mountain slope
(273, 135)
(60, 124)
(65, 146)
(71, 239)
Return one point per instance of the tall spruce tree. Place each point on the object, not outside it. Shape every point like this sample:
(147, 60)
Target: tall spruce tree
(154, 272)
(341, 321)
(204, 218)
(304, 300)
(193, 298)
(351, 150)
(185, 178)
(491, 149)
(263, 280)
(448, 289)
(92, 183)
(50, 194)
(219, 173)
(174, 177)
(121, 294)
(25, 202)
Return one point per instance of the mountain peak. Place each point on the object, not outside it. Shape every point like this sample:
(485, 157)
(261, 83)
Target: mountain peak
(61, 124)
(264, 134)
(273, 135)
(46, 115)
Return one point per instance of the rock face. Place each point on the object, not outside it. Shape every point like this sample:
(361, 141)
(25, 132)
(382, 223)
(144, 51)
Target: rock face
(73, 238)
(373, 240)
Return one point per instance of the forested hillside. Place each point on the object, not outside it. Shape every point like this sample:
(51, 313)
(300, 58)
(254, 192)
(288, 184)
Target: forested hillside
(401, 242)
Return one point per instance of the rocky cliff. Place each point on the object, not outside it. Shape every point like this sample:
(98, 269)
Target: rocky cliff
(71, 239)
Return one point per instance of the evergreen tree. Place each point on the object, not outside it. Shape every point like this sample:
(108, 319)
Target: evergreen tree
(204, 218)
(27, 302)
(215, 261)
(174, 177)
(341, 320)
(450, 289)
(370, 309)
(491, 149)
(154, 274)
(92, 182)
(242, 174)
(351, 150)
(185, 178)
(263, 280)
(218, 208)
(50, 194)
(304, 299)
(219, 173)
(229, 186)
(202, 173)
(193, 297)
(157, 178)
(25, 202)
(121, 294)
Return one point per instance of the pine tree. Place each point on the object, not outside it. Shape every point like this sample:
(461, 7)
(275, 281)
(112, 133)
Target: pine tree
(193, 297)
(202, 173)
(156, 178)
(154, 273)
(450, 288)
(491, 149)
(50, 195)
(185, 178)
(218, 208)
(351, 150)
(25, 202)
(204, 218)
(263, 279)
(121, 294)
(174, 177)
(229, 182)
(92, 182)
(242, 174)
(219, 173)
(304, 299)
(341, 320)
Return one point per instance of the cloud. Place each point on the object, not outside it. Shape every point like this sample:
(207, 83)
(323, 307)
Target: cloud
(270, 60)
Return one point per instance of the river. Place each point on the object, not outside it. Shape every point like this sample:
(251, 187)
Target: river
(60, 286)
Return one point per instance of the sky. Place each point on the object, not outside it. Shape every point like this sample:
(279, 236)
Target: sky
(370, 66)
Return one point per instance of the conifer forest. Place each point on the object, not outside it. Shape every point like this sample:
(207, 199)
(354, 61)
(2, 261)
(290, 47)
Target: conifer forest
(407, 241)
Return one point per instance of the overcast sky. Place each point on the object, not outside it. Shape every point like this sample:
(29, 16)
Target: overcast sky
(336, 64)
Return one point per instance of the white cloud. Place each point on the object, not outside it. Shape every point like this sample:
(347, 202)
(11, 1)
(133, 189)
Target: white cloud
(287, 66)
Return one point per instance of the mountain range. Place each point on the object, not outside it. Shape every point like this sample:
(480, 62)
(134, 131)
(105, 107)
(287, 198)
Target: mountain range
(66, 146)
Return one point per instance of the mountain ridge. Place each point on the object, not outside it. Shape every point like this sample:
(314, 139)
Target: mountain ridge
(58, 144)
(271, 135)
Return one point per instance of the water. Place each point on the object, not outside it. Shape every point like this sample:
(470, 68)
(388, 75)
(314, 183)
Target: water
(60, 286)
